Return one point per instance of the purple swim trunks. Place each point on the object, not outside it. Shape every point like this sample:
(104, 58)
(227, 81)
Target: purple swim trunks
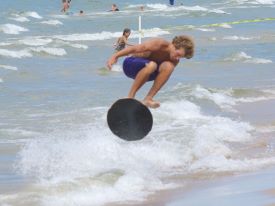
(132, 65)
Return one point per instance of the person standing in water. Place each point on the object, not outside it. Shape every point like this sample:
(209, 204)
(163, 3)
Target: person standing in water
(153, 60)
(65, 5)
(123, 40)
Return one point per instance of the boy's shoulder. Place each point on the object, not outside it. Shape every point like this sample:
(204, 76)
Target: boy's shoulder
(159, 41)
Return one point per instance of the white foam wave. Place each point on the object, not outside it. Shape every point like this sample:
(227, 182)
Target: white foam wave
(224, 98)
(20, 19)
(35, 41)
(32, 14)
(79, 46)
(235, 38)
(206, 29)
(15, 54)
(259, 2)
(52, 22)
(135, 5)
(95, 160)
(90, 166)
(8, 67)
(221, 164)
(164, 7)
(12, 29)
(157, 6)
(154, 32)
(49, 50)
(5, 43)
(269, 2)
(1, 80)
(243, 57)
(74, 45)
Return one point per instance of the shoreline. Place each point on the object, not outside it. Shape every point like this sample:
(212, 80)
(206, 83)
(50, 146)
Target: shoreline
(248, 188)
(254, 189)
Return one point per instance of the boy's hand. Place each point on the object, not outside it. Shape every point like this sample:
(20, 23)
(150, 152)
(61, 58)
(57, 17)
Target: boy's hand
(111, 61)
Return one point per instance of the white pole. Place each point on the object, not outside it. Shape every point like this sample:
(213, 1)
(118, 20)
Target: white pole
(139, 29)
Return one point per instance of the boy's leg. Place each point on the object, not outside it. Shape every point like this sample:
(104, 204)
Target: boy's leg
(142, 77)
(165, 70)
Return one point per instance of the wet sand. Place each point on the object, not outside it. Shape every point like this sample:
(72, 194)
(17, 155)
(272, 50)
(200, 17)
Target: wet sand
(254, 189)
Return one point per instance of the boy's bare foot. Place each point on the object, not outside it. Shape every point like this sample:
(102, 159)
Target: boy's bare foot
(151, 103)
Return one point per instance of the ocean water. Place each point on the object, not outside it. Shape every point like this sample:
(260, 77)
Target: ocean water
(55, 146)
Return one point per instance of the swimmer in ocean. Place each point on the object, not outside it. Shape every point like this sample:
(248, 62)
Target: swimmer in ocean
(123, 40)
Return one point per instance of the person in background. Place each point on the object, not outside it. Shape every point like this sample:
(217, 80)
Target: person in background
(123, 40)
(65, 5)
(114, 8)
(81, 12)
(171, 2)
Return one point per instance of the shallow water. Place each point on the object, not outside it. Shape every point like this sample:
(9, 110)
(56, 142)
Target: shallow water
(55, 147)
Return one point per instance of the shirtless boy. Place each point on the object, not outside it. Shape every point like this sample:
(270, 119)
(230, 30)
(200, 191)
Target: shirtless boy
(153, 60)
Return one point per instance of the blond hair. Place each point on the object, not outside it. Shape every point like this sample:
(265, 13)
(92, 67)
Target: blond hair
(185, 42)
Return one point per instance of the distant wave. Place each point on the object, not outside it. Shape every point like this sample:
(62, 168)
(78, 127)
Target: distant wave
(52, 22)
(154, 32)
(42, 41)
(28, 52)
(235, 38)
(12, 29)
(32, 14)
(15, 54)
(224, 98)
(20, 18)
(35, 41)
(49, 50)
(165, 7)
(74, 45)
(243, 57)
(8, 67)
(5, 43)
(264, 2)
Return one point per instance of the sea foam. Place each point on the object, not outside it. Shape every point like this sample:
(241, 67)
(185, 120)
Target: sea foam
(154, 32)
(20, 18)
(32, 14)
(49, 51)
(12, 29)
(235, 38)
(52, 22)
(15, 54)
(35, 41)
(243, 57)
(81, 164)
(8, 67)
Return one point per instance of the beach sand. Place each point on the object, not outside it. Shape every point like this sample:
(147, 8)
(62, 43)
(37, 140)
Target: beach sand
(254, 189)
